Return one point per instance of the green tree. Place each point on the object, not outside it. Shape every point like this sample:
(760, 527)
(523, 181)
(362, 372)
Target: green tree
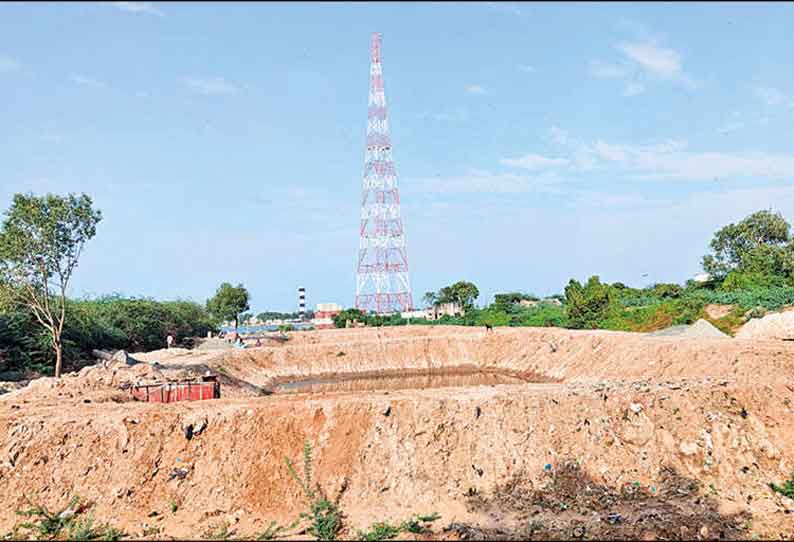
(462, 292)
(430, 299)
(340, 320)
(760, 244)
(40, 245)
(229, 301)
(587, 305)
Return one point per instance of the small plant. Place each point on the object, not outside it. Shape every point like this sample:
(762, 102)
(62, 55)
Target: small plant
(787, 489)
(46, 523)
(340, 354)
(325, 516)
(385, 531)
(274, 529)
(174, 506)
(379, 531)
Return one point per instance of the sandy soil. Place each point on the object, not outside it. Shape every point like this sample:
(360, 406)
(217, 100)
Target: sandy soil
(630, 437)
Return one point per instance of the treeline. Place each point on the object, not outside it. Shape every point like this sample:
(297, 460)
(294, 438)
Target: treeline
(108, 323)
(750, 266)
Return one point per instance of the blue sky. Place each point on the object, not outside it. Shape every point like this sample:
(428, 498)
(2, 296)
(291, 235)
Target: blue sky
(534, 142)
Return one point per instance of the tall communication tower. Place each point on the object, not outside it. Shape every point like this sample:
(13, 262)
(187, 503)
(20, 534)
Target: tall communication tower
(382, 282)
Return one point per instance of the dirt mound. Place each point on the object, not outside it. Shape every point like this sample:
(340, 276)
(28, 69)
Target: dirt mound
(776, 326)
(699, 330)
(630, 437)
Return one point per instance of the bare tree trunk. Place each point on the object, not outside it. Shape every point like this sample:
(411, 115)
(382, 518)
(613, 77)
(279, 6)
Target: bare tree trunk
(236, 322)
(58, 358)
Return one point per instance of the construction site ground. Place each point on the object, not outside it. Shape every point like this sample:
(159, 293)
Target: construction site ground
(612, 435)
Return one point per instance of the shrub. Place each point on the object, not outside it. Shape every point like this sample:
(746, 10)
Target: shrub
(324, 515)
(587, 305)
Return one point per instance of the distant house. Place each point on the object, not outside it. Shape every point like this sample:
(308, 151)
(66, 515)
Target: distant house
(324, 315)
(447, 309)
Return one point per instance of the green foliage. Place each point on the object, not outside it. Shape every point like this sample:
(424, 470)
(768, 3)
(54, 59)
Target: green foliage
(69, 520)
(787, 489)
(385, 531)
(174, 506)
(462, 292)
(540, 315)
(587, 305)
(229, 301)
(40, 244)
(354, 315)
(324, 516)
(270, 315)
(667, 291)
(504, 302)
(749, 280)
(105, 323)
(761, 243)
(379, 531)
(492, 316)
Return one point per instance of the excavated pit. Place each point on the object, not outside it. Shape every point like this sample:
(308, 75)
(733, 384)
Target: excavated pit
(453, 377)
(607, 435)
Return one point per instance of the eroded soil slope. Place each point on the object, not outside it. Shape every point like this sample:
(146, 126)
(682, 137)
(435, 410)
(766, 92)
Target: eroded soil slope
(634, 437)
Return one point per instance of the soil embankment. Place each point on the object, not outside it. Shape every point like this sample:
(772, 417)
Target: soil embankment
(631, 437)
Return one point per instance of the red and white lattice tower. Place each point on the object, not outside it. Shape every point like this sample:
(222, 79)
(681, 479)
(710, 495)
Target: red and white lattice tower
(382, 283)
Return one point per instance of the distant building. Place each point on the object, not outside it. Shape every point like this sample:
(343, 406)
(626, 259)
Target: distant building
(324, 315)
(420, 313)
(447, 309)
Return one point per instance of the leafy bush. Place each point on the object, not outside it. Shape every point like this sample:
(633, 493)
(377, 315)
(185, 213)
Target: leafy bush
(324, 515)
(587, 305)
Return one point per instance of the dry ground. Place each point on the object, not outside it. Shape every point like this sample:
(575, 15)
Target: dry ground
(676, 438)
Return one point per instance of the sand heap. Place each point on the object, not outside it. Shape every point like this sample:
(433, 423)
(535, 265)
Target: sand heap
(700, 330)
(777, 326)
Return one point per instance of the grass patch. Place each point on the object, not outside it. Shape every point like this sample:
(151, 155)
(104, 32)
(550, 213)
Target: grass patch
(385, 531)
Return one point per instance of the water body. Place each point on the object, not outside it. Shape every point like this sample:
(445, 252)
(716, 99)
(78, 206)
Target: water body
(246, 330)
(400, 381)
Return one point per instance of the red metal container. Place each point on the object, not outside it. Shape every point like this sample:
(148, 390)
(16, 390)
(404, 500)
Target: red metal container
(170, 392)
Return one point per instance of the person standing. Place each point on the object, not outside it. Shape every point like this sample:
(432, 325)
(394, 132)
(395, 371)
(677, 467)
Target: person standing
(169, 341)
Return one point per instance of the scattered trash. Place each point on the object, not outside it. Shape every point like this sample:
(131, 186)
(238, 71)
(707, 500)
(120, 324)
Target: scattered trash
(477, 412)
(743, 413)
(614, 518)
(189, 432)
(547, 467)
(579, 532)
(387, 412)
(636, 408)
(478, 471)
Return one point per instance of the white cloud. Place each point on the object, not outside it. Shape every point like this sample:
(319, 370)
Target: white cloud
(87, 81)
(671, 160)
(8, 64)
(559, 135)
(633, 89)
(657, 61)
(212, 86)
(603, 70)
(533, 161)
(730, 128)
(476, 89)
(484, 182)
(138, 7)
(772, 96)
(528, 69)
